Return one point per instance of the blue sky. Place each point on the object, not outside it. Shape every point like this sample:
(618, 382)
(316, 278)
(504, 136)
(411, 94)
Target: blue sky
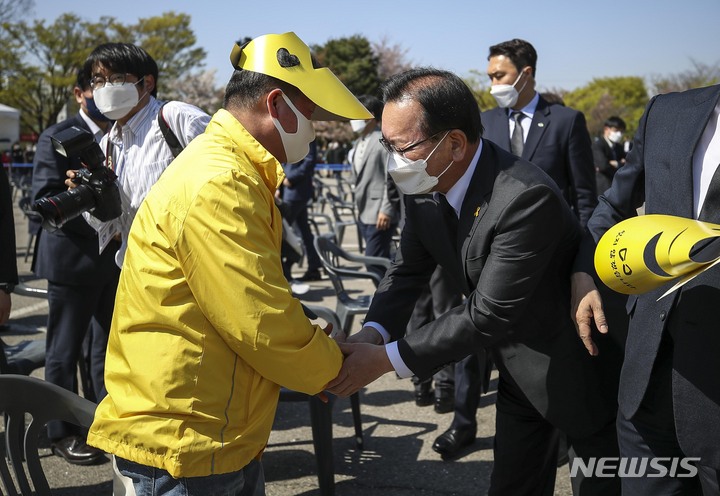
(576, 40)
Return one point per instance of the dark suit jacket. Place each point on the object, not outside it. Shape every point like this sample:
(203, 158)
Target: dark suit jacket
(515, 242)
(8, 260)
(558, 142)
(658, 172)
(300, 174)
(602, 155)
(70, 254)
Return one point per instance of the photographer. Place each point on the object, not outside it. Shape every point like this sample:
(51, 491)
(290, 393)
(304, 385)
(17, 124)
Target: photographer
(81, 280)
(124, 79)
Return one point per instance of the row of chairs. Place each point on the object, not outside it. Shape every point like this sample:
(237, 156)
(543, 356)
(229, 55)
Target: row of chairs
(49, 402)
(29, 355)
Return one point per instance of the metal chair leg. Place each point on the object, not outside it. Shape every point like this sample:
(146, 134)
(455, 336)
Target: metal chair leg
(357, 420)
(321, 421)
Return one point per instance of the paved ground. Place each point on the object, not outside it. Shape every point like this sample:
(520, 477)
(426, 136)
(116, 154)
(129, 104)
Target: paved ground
(397, 459)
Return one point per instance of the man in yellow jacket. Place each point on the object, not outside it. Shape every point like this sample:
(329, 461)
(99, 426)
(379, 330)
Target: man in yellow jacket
(205, 329)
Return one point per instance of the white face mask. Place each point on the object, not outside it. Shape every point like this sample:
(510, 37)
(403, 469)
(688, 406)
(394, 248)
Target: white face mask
(358, 125)
(411, 176)
(297, 144)
(505, 94)
(115, 102)
(615, 136)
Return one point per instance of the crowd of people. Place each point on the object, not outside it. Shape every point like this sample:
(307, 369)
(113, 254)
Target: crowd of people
(498, 213)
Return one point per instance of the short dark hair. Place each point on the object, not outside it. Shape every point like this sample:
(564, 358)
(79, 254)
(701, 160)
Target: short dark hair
(125, 58)
(246, 87)
(616, 122)
(373, 104)
(520, 52)
(446, 100)
(84, 74)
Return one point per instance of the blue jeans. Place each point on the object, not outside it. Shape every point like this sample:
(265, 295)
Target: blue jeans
(151, 481)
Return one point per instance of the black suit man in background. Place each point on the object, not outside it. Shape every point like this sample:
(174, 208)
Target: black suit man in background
(608, 152)
(554, 137)
(551, 136)
(669, 401)
(81, 280)
(501, 228)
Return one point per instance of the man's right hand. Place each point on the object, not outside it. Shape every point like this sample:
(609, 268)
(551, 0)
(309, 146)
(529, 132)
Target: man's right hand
(586, 305)
(71, 174)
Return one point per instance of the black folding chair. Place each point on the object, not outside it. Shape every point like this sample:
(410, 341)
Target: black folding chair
(43, 402)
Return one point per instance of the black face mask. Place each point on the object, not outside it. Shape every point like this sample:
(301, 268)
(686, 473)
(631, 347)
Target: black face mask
(93, 111)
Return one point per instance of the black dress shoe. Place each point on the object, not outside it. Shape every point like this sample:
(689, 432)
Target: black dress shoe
(444, 402)
(423, 398)
(450, 442)
(76, 451)
(424, 395)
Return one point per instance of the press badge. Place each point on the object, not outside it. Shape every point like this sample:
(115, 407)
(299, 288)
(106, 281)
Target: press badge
(106, 233)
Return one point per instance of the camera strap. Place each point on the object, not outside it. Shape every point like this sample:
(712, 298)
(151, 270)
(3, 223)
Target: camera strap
(170, 138)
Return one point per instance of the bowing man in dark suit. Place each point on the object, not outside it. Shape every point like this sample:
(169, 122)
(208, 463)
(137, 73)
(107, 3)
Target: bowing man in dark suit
(551, 136)
(81, 280)
(501, 228)
(669, 401)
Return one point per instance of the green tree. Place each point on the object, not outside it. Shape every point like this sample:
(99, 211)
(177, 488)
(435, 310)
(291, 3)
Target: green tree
(353, 61)
(170, 40)
(356, 64)
(479, 84)
(625, 97)
(39, 63)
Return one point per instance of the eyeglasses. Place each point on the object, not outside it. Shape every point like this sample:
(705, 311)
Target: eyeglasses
(98, 82)
(401, 151)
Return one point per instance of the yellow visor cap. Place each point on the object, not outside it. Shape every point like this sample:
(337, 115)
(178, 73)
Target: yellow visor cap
(334, 101)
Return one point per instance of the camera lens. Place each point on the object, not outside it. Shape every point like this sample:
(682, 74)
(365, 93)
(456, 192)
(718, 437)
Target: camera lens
(61, 208)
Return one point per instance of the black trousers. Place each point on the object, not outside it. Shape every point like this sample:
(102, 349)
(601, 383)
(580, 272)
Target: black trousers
(651, 433)
(73, 311)
(296, 214)
(436, 299)
(526, 450)
(472, 375)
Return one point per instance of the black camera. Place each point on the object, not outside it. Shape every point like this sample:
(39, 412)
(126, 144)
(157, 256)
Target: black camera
(96, 190)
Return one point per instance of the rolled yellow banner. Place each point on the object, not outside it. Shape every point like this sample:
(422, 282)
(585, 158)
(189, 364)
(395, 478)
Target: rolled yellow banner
(645, 252)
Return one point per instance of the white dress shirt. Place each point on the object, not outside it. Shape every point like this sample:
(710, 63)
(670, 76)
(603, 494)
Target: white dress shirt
(138, 153)
(706, 159)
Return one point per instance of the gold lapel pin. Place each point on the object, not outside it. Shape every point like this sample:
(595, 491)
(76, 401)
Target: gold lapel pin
(477, 211)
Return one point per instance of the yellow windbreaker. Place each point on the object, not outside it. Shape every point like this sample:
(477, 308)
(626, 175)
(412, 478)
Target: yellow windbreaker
(205, 328)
